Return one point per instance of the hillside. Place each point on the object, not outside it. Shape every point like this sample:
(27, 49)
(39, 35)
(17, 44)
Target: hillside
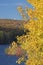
(10, 24)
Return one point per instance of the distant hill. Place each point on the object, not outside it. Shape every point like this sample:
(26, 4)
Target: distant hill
(10, 24)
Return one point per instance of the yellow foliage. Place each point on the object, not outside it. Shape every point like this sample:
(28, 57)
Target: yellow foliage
(38, 4)
(32, 42)
(11, 50)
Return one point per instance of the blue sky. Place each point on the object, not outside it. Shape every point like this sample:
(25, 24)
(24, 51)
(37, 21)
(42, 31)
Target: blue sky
(8, 8)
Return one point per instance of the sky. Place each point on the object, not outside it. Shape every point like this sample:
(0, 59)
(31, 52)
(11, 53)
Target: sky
(8, 8)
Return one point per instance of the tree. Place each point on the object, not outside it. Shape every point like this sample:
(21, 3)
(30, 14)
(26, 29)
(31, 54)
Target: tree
(32, 42)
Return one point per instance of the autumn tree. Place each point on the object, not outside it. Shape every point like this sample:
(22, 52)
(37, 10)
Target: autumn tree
(32, 42)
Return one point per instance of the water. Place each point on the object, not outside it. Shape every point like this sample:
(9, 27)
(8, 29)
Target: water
(5, 59)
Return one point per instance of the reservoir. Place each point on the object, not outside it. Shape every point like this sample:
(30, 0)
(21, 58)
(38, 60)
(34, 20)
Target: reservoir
(6, 59)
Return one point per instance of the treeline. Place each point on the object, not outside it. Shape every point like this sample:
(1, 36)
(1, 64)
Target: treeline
(6, 37)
